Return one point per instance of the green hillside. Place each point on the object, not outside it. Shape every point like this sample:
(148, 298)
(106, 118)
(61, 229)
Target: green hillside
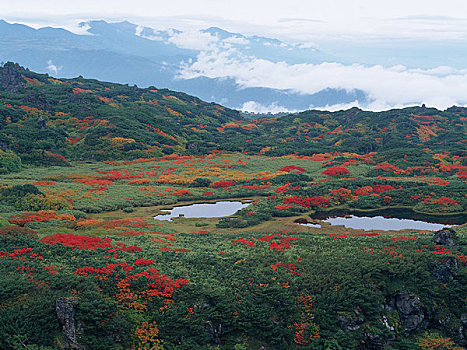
(83, 119)
(85, 166)
(43, 119)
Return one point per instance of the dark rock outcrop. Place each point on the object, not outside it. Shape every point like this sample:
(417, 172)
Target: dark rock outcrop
(463, 331)
(12, 80)
(410, 309)
(42, 123)
(445, 271)
(445, 237)
(214, 330)
(38, 99)
(193, 147)
(374, 342)
(65, 309)
(350, 322)
(83, 100)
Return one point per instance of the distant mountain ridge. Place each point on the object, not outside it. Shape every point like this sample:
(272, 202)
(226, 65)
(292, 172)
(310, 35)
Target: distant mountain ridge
(126, 53)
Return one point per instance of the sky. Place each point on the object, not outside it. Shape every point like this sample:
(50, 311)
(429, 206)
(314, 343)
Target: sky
(293, 19)
(316, 23)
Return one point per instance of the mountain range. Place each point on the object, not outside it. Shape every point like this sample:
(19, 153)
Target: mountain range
(250, 73)
(127, 53)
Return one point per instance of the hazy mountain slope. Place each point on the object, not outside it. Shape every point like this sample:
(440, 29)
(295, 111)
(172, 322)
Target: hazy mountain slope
(125, 53)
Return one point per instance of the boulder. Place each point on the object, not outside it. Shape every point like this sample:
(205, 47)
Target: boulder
(65, 309)
(463, 331)
(374, 342)
(12, 79)
(350, 322)
(410, 309)
(445, 237)
(214, 330)
(445, 271)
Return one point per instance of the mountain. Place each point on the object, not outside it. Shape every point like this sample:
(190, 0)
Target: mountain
(44, 117)
(89, 119)
(126, 53)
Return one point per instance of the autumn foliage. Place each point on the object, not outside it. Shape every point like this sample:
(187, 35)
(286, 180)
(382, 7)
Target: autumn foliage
(336, 171)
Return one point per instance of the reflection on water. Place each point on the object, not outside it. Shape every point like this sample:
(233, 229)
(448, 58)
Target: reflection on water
(397, 213)
(382, 223)
(310, 225)
(204, 210)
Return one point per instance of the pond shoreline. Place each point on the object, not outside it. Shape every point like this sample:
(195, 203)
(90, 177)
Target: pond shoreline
(394, 212)
(166, 207)
(218, 209)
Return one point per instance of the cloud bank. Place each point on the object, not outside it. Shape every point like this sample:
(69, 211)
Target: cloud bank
(52, 68)
(255, 107)
(386, 87)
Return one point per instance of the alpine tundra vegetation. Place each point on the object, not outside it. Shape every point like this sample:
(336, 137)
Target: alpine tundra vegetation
(86, 165)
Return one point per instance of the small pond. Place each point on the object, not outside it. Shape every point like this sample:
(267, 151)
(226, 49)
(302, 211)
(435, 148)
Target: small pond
(204, 210)
(388, 219)
(310, 225)
(394, 213)
(381, 223)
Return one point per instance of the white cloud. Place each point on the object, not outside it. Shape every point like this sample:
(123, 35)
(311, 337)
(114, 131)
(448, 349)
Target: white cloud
(306, 45)
(53, 69)
(338, 106)
(80, 28)
(193, 40)
(236, 40)
(375, 106)
(255, 107)
(386, 86)
(139, 32)
(439, 71)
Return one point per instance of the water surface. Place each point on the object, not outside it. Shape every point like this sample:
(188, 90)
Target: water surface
(204, 210)
(382, 223)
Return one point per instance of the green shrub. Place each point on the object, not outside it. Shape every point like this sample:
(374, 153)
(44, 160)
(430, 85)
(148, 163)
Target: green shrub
(201, 224)
(9, 162)
(41, 202)
(20, 190)
(201, 182)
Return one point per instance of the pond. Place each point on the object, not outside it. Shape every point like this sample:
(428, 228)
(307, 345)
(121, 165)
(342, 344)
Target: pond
(204, 210)
(310, 225)
(389, 219)
(381, 223)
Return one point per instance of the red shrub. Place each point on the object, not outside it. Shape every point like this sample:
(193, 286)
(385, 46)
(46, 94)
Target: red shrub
(292, 268)
(404, 238)
(336, 171)
(221, 184)
(382, 188)
(244, 241)
(312, 202)
(40, 216)
(282, 189)
(144, 262)
(282, 207)
(82, 242)
(13, 231)
(289, 168)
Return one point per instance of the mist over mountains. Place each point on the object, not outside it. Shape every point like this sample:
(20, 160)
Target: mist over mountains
(251, 73)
